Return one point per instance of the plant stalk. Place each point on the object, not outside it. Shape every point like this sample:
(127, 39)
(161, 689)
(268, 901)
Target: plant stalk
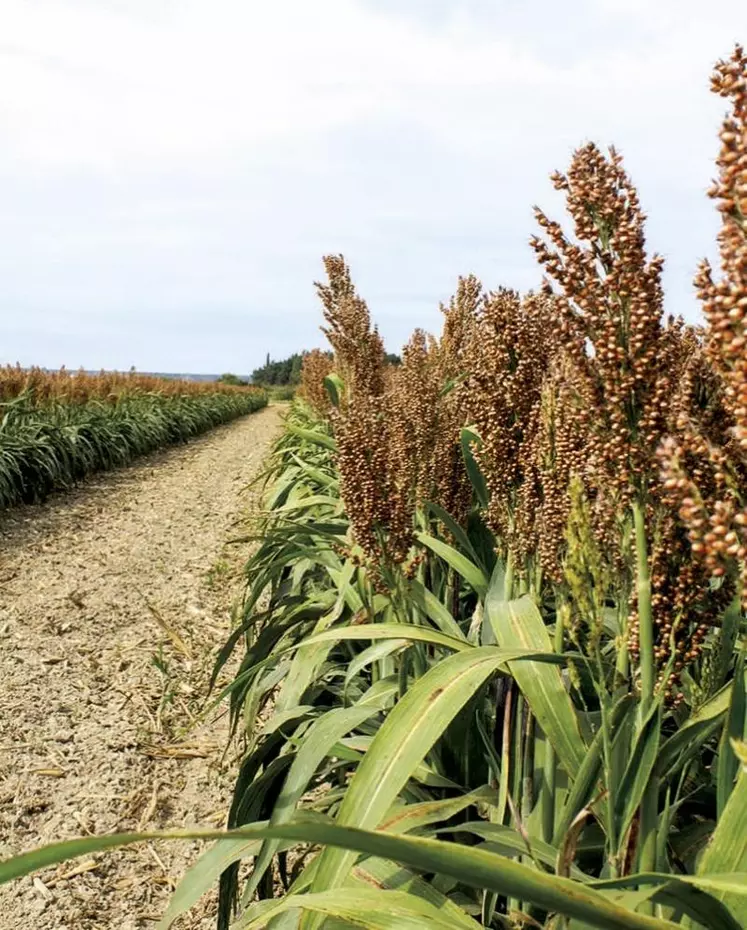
(650, 800)
(508, 581)
(549, 781)
(645, 615)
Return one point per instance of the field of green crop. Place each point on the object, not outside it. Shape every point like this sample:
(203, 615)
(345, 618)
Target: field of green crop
(56, 428)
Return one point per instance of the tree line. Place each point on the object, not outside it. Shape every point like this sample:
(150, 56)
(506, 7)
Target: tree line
(286, 371)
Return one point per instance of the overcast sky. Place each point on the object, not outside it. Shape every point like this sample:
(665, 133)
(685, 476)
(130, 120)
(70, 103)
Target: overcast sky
(172, 171)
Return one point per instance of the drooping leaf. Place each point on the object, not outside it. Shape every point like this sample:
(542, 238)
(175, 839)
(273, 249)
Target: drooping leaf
(372, 909)
(475, 867)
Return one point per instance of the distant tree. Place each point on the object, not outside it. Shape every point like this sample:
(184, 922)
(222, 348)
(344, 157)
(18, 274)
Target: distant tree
(295, 372)
(287, 371)
(228, 378)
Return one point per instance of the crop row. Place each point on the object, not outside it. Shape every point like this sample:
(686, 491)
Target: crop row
(58, 428)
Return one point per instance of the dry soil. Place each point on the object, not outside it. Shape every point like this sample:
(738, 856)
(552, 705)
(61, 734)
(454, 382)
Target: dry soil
(113, 600)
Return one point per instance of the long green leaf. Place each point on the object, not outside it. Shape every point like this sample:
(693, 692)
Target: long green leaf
(408, 817)
(379, 650)
(734, 729)
(638, 772)
(383, 873)
(516, 624)
(313, 436)
(585, 784)
(696, 730)
(405, 737)
(404, 631)
(468, 439)
(203, 875)
(368, 908)
(727, 849)
(508, 842)
(432, 607)
(474, 867)
(314, 747)
(458, 533)
(472, 574)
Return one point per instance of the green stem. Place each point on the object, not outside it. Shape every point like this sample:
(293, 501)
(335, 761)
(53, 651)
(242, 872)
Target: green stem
(649, 823)
(527, 765)
(550, 766)
(549, 787)
(508, 581)
(517, 780)
(622, 665)
(650, 800)
(645, 616)
(503, 787)
(450, 589)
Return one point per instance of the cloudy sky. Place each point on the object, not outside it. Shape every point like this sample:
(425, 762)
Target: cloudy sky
(173, 170)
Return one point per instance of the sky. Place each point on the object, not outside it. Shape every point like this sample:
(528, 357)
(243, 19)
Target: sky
(172, 171)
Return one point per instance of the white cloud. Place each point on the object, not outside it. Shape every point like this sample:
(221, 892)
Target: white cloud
(203, 154)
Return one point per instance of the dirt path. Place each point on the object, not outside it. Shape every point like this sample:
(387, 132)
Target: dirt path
(113, 599)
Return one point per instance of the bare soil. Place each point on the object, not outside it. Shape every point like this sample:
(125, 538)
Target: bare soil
(113, 601)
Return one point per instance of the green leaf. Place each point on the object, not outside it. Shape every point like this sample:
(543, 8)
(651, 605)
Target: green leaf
(403, 740)
(695, 895)
(384, 873)
(309, 502)
(518, 623)
(734, 729)
(335, 387)
(404, 631)
(469, 438)
(638, 771)
(474, 867)
(727, 849)
(313, 436)
(454, 528)
(585, 784)
(313, 749)
(436, 611)
(371, 655)
(508, 842)
(203, 875)
(472, 574)
(369, 908)
(688, 899)
(695, 731)
(406, 817)
(353, 748)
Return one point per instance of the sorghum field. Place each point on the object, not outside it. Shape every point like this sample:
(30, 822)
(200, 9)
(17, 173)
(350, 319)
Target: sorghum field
(58, 427)
(490, 669)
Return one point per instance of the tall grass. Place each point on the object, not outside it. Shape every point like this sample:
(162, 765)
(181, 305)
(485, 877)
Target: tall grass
(56, 428)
